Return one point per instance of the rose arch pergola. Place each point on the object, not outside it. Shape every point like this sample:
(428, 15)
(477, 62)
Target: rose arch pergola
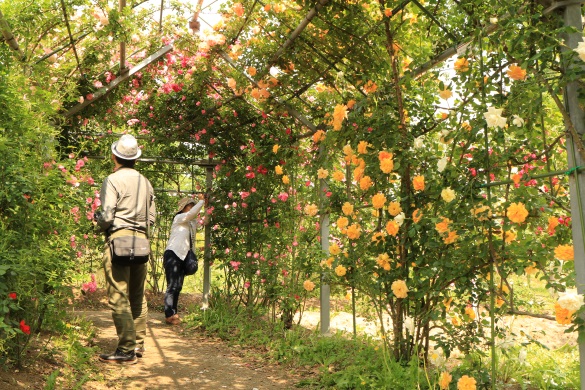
(328, 103)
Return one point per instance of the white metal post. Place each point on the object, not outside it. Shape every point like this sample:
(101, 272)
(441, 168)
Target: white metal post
(573, 18)
(325, 288)
(207, 249)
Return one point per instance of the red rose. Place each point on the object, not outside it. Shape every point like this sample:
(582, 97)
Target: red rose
(24, 327)
(12, 295)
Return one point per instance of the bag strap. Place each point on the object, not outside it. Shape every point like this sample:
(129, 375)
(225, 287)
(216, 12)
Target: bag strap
(190, 237)
(147, 212)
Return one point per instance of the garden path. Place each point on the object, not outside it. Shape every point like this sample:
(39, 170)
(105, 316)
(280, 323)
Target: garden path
(176, 359)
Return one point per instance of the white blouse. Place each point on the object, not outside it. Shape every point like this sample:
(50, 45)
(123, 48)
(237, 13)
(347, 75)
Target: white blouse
(183, 225)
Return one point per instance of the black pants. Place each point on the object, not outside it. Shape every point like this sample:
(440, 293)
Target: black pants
(175, 273)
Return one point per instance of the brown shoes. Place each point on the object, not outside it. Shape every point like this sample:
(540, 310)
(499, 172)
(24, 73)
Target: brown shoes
(173, 320)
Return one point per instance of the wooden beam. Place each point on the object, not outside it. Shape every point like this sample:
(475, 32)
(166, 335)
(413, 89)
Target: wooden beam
(294, 113)
(123, 69)
(100, 93)
(71, 40)
(304, 23)
(9, 38)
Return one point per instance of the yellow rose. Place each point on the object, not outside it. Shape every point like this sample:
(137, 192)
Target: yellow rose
(311, 210)
(447, 303)
(378, 237)
(329, 261)
(466, 383)
(516, 73)
(444, 380)
(353, 232)
(451, 238)
(340, 270)
(319, 136)
(365, 183)
(383, 261)
(448, 194)
(417, 215)
(308, 285)
(461, 65)
(553, 222)
(445, 94)
(470, 312)
(394, 208)
(565, 252)
(342, 222)
(418, 183)
(334, 249)
(443, 226)
(517, 212)
(278, 170)
(531, 269)
(348, 151)
(339, 114)
(338, 176)
(509, 236)
(387, 165)
(378, 201)
(285, 179)
(275, 148)
(362, 147)
(347, 208)
(322, 173)
(358, 173)
(399, 288)
(392, 228)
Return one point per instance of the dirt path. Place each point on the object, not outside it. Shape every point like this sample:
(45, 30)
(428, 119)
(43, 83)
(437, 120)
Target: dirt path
(175, 360)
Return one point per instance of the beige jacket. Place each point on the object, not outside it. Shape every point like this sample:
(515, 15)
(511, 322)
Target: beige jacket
(125, 197)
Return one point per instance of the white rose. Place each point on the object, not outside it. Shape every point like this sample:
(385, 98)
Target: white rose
(442, 164)
(409, 324)
(418, 142)
(493, 20)
(580, 49)
(494, 117)
(522, 355)
(571, 301)
(399, 219)
(517, 121)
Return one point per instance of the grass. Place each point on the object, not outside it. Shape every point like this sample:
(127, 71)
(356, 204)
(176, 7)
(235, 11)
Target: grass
(339, 362)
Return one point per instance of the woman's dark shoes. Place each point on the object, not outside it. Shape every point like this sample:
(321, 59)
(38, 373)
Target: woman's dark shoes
(119, 357)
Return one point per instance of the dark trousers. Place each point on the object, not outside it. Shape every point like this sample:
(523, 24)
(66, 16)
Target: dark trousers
(175, 273)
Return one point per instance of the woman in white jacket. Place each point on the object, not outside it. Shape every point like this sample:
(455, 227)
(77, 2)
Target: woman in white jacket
(180, 241)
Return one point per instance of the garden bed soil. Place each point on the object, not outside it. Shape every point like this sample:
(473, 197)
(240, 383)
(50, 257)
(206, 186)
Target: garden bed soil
(175, 357)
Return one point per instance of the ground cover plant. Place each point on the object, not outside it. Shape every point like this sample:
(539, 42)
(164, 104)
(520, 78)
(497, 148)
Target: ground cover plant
(340, 157)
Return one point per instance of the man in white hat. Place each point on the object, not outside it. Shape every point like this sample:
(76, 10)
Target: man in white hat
(128, 209)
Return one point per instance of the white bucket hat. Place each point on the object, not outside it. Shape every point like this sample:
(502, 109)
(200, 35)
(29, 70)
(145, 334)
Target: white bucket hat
(126, 148)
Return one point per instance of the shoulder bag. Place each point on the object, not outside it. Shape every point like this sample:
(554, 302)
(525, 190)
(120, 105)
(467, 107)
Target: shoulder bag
(191, 264)
(132, 250)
